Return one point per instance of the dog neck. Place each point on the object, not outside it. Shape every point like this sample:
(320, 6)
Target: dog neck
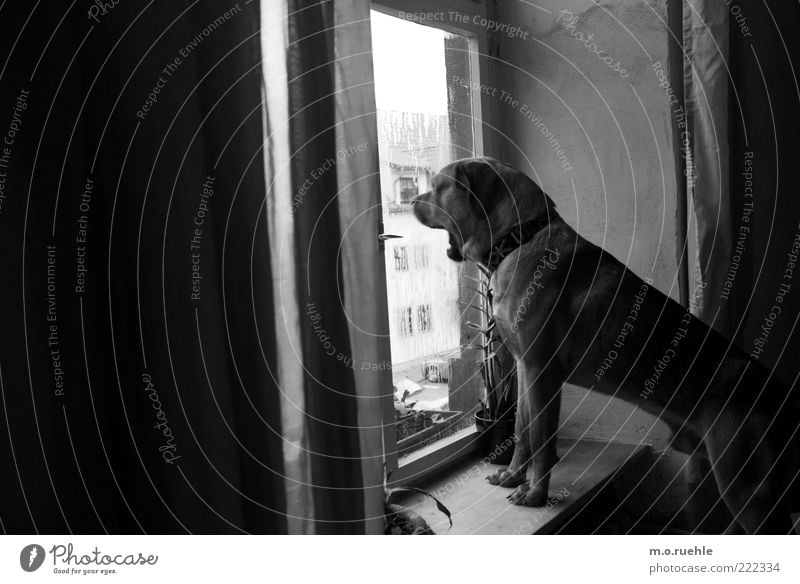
(518, 236)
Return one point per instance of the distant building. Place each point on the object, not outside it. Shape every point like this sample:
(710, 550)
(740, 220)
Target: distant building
(422, 281)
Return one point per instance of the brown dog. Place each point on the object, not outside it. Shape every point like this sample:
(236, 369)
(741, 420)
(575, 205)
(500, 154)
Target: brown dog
(570, 312)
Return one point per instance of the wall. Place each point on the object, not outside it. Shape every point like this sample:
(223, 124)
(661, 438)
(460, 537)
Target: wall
(599, 143)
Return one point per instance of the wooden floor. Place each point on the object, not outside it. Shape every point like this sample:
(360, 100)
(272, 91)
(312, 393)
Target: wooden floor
(480, 508)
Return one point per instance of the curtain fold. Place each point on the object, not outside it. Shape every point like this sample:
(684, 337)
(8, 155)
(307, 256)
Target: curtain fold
(741, 102)
(159, 370)
(706, 157)
(330, 396)
(360, 215)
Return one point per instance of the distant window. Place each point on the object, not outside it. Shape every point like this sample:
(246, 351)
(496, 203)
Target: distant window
(408, 188)
(406, 324)
(424, 318)
(421, 256)
(401, 258)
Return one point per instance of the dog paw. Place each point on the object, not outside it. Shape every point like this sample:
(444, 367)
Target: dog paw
(527, 496)
(505, 477)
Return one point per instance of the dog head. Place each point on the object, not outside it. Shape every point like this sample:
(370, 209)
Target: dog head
(478, 200)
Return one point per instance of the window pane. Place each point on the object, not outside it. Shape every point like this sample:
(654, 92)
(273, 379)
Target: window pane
(424, 121)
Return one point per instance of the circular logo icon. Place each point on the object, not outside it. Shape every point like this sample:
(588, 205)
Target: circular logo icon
(31, 557)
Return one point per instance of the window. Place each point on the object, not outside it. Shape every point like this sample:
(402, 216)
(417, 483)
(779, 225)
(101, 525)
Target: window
(401, 258)
(424, 318)
(408, 188)
(421, 256)
(427, 117)
(406, 324)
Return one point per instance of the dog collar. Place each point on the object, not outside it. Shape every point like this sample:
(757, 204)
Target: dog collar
(518, 236)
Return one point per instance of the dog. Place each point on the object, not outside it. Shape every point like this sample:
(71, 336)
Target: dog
(571, 312)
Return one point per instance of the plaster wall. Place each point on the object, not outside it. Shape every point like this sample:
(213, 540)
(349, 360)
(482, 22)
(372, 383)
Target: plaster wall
(578, 106)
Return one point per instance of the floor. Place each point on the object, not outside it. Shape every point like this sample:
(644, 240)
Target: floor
(478, 507)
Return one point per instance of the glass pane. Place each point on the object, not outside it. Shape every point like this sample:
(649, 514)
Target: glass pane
(422, 81)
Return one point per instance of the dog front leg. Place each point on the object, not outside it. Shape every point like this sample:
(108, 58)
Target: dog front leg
(544, 406)
(517, 470)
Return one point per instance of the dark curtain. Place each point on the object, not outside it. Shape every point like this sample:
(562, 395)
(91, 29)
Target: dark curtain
(331, 400)
(764, 128)
(761, 280)
(137, 345)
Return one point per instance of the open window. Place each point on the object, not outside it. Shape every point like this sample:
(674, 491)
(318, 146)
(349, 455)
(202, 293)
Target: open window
(428, 115)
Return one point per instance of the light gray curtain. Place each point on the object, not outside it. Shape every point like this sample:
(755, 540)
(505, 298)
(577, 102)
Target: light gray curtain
(323, 206)
(706, 156)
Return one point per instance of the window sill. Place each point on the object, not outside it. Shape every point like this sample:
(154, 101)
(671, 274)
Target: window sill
(432, 460)
(480, 508)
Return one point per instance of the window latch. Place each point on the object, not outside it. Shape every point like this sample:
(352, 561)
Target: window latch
(382, 237)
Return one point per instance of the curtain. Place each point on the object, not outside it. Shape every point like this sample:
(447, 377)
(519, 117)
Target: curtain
(741, 100)
(324, 151)
(764, 125)
(159, 370)
(704, 150)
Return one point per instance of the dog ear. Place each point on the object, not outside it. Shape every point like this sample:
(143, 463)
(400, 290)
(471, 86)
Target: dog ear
(482, 181)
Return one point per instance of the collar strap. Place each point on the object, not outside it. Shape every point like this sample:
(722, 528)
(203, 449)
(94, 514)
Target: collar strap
(515, 238)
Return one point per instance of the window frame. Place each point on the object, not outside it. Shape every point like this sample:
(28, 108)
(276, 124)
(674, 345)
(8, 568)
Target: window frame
(407, 321)
(421, 257)
(402, 198)
(424, 315)
(433, 458)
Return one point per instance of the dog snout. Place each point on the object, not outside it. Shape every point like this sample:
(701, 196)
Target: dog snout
(419, 198)
(420, 211)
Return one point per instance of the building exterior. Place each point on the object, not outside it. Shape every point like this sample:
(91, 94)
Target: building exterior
(422, 281)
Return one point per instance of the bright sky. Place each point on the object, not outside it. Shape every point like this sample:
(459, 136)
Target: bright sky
(408, 58)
